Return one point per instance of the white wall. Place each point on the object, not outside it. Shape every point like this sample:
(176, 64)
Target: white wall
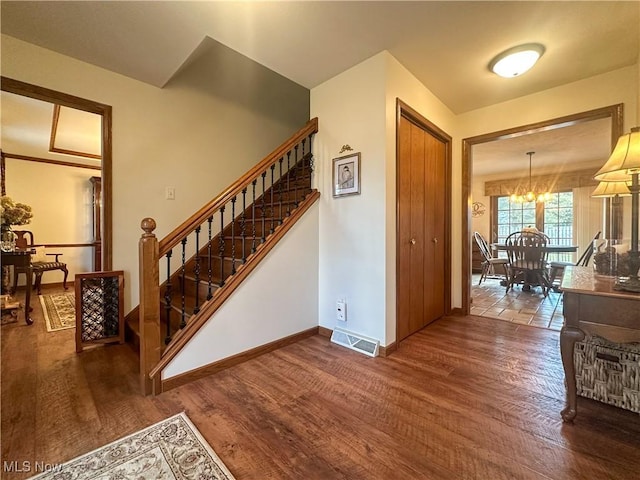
(482, 223)
(278, 308)
(198, 134)
(358, 234)
(350, 109)
(62, 204)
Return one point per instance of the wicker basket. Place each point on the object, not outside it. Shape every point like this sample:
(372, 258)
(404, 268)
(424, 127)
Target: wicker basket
(608, 372)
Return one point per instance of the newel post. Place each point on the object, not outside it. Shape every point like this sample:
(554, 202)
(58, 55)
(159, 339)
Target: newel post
(149, 319)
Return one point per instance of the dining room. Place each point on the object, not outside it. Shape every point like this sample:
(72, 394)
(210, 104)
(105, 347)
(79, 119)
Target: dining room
(538, 184)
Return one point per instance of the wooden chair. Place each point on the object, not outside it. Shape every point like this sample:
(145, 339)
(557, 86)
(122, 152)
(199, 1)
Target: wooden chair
(39, 261)
(490, 262)
(557, 268)
(527, 260)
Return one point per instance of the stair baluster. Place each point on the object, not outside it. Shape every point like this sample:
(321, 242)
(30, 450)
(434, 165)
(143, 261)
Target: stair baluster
(243, 225)
(221, 246)
(304, 188)
(295, 177)
(253, 216)
(167, 298)
(233, 235)
(209, 269)
(264, 206)
(273, 167)
(183, 321)
(280, 191)
(288, 178)
(196, 271)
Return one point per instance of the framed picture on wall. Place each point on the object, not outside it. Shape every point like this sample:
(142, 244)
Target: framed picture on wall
(346, 175)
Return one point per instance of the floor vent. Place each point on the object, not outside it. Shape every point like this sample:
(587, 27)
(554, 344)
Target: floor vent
(356, 342)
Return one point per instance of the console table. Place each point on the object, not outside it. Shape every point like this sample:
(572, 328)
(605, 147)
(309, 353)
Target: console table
(592, 306)
(22, 258)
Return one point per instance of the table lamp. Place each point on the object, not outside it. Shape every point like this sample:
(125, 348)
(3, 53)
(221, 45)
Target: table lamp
(622, 166)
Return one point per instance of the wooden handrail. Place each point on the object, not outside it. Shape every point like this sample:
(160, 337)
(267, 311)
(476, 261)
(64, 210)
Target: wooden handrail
(198, 218)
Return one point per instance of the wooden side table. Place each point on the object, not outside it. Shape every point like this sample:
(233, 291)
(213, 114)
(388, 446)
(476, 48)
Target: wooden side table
(591, 306)
(21, 258)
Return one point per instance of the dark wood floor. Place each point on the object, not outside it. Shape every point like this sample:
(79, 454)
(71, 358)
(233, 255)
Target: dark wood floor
(466, 398)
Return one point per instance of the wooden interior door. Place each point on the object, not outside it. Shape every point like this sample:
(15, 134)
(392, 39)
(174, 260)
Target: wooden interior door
(423, 237)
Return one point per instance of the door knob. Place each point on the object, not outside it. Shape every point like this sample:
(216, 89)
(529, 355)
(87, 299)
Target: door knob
(412, 241)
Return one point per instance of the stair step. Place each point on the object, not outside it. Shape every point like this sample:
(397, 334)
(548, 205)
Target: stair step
(227, 263)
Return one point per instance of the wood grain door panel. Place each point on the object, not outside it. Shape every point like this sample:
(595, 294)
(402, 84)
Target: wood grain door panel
(421, 227)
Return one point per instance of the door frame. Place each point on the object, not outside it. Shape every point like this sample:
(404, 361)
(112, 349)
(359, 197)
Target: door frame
(403, 109)
(51, 96)
(614, 112)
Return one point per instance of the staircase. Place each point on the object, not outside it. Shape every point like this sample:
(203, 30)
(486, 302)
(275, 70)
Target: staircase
(207, 257)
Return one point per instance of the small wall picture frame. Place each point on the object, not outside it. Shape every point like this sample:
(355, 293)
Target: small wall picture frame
(346, 175)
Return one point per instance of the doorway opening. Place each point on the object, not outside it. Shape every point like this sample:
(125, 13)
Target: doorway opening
(489, 190)
(102, 195)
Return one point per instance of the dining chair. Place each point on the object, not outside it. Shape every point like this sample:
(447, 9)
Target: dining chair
(490, 262)
(557, 268)
(527, 256)
(39, 261)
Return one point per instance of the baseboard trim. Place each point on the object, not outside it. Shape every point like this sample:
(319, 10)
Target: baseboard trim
(325, 332)
(457, 312)
(211, 368)
(388, 350)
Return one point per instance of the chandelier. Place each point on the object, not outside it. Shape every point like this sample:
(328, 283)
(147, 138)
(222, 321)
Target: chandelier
(530, 196)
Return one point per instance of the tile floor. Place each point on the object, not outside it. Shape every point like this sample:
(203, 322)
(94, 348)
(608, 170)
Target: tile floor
(527, 308)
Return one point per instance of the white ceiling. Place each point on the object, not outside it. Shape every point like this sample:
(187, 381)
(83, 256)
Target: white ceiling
(575, 147)
(446, 45)
(27, 125)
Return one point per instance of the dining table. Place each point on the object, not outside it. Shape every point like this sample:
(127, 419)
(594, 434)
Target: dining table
(550, 248)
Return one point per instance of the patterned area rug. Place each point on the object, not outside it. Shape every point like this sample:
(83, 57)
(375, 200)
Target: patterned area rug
(59, 311)
(169, 450)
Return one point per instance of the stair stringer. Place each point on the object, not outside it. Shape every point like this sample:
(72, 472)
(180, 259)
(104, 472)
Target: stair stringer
(278, 299)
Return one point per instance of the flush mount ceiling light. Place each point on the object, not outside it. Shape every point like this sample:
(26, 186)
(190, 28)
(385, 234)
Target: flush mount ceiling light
(517, 60)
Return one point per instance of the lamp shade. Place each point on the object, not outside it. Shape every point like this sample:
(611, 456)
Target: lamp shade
(611, 189)
(624, 160)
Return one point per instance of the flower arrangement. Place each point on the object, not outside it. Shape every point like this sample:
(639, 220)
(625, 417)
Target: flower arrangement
(12, 213)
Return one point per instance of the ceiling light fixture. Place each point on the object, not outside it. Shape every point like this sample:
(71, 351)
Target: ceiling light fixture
(530, 196)
(517, 60)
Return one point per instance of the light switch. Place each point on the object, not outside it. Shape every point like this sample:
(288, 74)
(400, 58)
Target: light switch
(170, 193)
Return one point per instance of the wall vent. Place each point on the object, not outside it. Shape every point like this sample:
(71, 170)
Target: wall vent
(355, 341)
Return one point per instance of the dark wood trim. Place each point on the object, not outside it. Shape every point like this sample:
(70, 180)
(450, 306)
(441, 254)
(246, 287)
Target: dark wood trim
(223, 364)
(403, 109)
(173, 238)
(325, 332)
(388, 350)
(3, 186)
(457, 312)
(51, 161)
(184, 336)
(40, 93)
(54, 132)
(614, 112)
